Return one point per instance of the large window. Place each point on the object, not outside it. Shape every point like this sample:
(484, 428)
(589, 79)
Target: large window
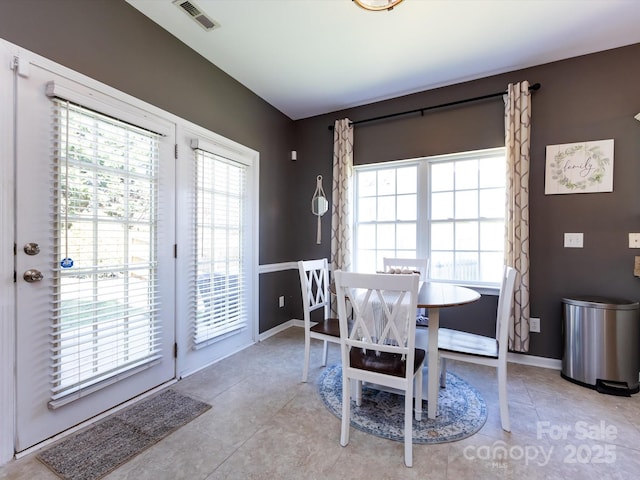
(447, 208)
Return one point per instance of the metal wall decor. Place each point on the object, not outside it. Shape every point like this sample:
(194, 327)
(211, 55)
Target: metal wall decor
(319, 205)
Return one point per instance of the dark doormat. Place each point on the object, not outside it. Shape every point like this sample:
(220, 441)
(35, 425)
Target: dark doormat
(92, 453)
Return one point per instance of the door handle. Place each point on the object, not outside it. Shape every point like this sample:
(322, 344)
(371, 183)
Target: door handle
(33, 275)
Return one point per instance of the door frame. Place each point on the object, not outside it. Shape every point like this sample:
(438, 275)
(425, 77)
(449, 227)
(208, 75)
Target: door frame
(7, 284)
(9, 51)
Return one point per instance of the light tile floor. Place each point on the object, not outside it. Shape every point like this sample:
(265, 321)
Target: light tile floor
(266, 424)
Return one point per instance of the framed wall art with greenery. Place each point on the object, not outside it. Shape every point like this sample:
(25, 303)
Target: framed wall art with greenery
(584, 167)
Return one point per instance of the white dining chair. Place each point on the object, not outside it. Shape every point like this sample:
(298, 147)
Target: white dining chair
(482, 350)
(407, 265)
(314, 285)
(378, 347)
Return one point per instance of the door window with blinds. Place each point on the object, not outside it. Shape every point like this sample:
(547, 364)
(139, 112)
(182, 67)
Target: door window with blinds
(220, 256)
(105, 299)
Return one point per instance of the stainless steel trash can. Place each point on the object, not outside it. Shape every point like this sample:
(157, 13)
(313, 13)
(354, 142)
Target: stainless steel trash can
(601, 339)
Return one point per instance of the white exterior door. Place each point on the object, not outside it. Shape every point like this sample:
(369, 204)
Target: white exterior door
(94, 260)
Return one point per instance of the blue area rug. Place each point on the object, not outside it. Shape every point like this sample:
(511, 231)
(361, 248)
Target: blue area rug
(461, 410)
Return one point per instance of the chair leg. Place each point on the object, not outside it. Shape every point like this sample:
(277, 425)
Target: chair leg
(443, 372)
(307, 353)
(502, 396)
(418, 394)
(325, 352)
(408, 428)
(357, 385)
(346, 411)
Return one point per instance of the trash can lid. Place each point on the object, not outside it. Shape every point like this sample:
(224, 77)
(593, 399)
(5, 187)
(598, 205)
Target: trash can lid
(594, 301)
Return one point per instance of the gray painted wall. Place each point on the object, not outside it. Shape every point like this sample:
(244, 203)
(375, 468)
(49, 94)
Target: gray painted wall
(587, 98)
(593, 97)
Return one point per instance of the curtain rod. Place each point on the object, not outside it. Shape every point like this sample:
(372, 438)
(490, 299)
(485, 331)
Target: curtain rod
(534, 87)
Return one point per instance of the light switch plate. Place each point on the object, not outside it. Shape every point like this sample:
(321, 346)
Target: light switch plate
(634, 240)
(573, 240)
(534, 325)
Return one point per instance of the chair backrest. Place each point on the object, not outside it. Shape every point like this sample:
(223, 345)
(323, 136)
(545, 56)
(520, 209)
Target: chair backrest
(505, 308)
(383, 307)
(400, 265)
(314, 285)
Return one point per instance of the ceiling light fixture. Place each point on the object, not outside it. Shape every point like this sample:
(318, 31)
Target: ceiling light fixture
(377, 5)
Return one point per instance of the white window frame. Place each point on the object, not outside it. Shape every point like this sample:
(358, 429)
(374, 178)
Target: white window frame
(192, 356)
(374, 224)
(423, 221)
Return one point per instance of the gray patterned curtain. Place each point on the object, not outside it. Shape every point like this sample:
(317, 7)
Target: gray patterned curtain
(340, 196)
(516, 251)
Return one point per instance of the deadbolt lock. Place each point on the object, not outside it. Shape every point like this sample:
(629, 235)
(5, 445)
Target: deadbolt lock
(32, 249)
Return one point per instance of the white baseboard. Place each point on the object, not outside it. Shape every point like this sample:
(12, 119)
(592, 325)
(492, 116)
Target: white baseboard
(534, 361)
(277, 329)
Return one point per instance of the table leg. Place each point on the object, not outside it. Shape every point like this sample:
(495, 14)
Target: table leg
(433, 367)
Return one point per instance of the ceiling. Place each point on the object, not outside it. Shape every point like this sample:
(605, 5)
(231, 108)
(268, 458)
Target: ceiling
(309, 57)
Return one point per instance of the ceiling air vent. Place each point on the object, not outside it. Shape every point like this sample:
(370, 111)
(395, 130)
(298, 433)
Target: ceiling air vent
(196, 13)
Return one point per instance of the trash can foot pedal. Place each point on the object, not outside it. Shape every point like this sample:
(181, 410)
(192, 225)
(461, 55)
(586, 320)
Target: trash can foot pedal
(613, 388)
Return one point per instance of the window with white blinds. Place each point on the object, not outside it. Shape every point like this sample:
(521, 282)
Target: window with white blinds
(105, 300)
(219, 261)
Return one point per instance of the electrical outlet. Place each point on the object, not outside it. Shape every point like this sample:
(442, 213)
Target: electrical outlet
(281, 301)
(634, 240)
(534, 325)
(573, 240)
